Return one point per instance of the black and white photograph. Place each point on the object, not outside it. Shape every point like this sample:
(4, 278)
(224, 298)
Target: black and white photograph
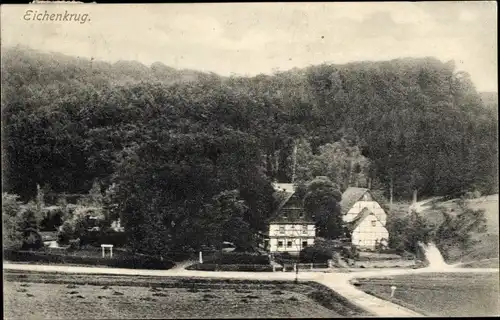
(249, 160)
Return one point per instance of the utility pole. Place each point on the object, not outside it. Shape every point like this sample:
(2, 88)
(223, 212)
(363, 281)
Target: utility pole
(391, 187)
(390, 194)
(297, 261)
(294, 160)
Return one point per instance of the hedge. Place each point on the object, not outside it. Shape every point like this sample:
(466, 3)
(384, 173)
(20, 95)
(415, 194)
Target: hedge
(133, 262)
(315, 254)
(96, 238)
(237, 258)
(232, 267)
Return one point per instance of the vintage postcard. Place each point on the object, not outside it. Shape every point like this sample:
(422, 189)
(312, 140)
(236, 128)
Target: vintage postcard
(249, 160)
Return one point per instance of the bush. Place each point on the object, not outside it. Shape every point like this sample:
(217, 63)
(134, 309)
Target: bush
(31, 240)
(12, 235)
(390, 251)
(133, 262)
(350, 252)
(314, 254)
(285, 258)
(237, 258)
(65, 233)
(231, 267)
(408, 255)
(96, 238)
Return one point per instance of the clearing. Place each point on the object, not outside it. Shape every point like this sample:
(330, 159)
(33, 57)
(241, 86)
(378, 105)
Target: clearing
(440, 294)
(61, 296)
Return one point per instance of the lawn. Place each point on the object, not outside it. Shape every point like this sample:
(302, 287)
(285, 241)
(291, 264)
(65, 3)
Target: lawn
(487, 263)
(59, 296)
(441, 294)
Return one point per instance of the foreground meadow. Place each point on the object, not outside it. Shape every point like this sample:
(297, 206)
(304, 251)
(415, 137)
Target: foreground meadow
(440, 294)
(38, 296)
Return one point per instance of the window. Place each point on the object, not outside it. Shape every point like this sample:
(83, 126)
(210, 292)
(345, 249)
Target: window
(304, 244)
(304, 228)
(292, 226)
(374, 223)
(289, 244)
(280, 244)
(282, 229)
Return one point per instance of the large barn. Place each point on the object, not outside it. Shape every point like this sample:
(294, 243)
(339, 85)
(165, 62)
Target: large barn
(364, 217)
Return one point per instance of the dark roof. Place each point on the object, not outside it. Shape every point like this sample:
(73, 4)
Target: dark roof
(350, 197)
(359, 218)
(290, 210)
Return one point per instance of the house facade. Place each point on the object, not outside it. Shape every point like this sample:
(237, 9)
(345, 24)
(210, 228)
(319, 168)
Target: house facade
(364, 218)
(289, 229)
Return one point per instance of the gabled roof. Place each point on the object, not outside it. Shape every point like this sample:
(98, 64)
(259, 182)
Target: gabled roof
(285, 196)
(359, 218)
(350, 197)
(293, 207)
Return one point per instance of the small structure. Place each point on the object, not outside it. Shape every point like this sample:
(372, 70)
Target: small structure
(364, 217)
(104, 246)
(289, 228)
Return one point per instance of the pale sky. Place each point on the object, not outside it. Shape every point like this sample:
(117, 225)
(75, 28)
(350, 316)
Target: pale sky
(249, 39)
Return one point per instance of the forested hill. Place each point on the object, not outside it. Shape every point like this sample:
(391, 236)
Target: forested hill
(416, 122)
(490, 100)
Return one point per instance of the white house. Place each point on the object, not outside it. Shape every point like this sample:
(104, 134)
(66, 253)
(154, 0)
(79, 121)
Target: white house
(289, 228)
(364, 217)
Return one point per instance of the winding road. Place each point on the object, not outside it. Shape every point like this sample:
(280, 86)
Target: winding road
(337, 281)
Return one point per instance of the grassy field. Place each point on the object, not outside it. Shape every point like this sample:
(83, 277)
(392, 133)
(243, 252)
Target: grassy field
(487, 243)
(487, 263)
(443, 294)
(58, 296)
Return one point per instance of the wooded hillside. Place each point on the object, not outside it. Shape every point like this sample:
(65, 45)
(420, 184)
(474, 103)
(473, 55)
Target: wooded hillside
(68, 122)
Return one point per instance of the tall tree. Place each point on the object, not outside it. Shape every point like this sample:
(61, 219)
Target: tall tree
(322, 201)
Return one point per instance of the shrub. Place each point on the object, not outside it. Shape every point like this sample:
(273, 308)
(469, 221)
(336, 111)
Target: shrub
(133, 262)
(230, 267)
(350, 252)
(31, 239)
(96, 238)
(65, 233)
(12, 235)
(315, 254)
(237, 258)
(286, 255)
(52, 219)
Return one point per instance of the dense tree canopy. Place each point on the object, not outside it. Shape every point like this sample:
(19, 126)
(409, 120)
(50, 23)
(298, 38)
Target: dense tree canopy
(172, 140)
(322, 201)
